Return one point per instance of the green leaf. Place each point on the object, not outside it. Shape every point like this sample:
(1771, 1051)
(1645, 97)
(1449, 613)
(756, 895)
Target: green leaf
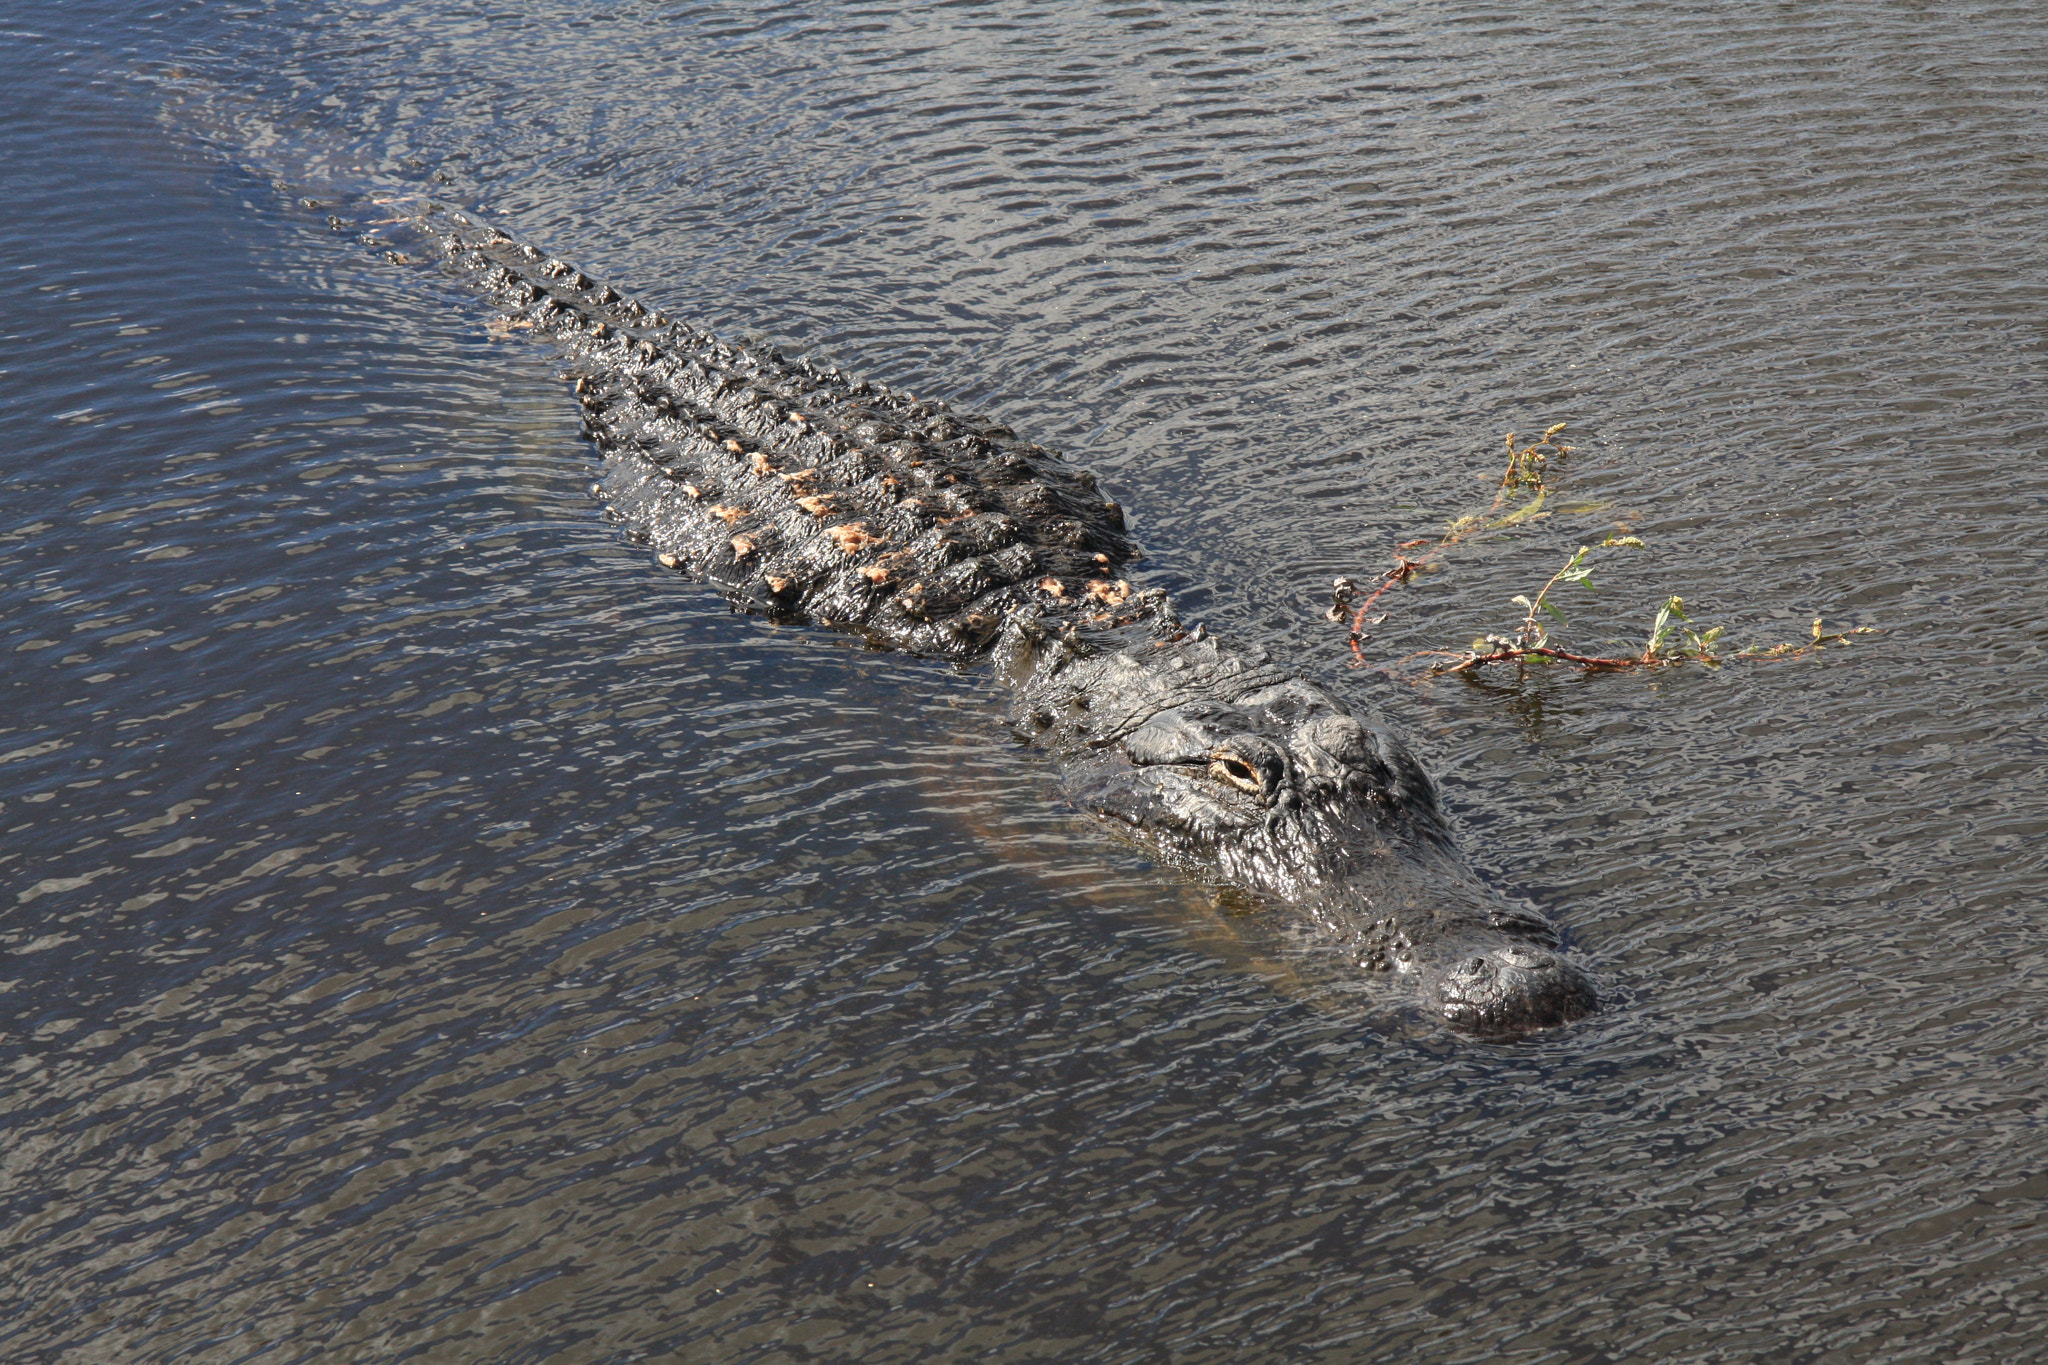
(1576, 570)
(1551, 607)
(1661, 628)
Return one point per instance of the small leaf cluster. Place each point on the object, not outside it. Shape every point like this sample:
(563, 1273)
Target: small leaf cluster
(1528, 464)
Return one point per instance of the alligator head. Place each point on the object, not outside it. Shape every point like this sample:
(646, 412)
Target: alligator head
(1217, 759)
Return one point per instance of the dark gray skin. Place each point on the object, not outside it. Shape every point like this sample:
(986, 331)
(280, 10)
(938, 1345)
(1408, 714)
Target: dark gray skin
(1215, 758)
(808, 495)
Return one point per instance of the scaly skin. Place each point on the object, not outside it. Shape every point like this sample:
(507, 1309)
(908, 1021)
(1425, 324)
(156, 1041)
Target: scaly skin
(808, 495)
(1214, 757)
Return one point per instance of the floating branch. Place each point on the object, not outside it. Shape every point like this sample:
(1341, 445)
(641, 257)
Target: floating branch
(1672, 640)
(1519, 498)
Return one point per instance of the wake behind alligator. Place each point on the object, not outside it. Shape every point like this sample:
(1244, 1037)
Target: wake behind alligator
(807, 495)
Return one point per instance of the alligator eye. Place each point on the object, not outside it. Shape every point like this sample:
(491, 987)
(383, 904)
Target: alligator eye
(1237, 773)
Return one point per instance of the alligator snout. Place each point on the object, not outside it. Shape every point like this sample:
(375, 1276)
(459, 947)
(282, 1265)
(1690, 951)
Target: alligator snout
(1508, 989)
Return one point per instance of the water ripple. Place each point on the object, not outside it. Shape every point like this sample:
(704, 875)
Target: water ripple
(432, 934)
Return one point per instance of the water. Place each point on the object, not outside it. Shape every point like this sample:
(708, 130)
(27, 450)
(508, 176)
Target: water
(431, 933)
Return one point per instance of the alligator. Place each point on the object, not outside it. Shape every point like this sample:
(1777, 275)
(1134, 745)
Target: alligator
(807, 495)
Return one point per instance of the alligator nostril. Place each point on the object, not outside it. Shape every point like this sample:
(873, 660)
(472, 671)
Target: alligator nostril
(1512, 989)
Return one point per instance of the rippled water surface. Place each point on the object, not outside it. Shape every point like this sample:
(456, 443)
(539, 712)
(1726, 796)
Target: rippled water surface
(427, 932)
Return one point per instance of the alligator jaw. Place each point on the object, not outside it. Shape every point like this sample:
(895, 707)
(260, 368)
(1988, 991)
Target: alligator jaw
(1211, 757)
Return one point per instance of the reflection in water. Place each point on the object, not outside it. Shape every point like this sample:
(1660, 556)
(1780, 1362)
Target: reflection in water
(431, 933)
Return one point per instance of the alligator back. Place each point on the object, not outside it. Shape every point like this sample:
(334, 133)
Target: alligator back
(803, 492)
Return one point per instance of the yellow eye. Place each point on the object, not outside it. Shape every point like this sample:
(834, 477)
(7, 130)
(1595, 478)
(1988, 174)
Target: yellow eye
(1238, 773)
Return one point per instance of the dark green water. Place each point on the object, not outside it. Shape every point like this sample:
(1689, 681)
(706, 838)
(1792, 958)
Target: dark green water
(429, 933)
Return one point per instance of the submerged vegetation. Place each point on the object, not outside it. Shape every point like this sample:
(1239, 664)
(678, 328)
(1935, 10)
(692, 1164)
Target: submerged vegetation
(1519, 498)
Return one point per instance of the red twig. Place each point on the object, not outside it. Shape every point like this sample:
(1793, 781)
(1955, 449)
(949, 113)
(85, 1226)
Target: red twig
(1525, 468)
(1508, 654)
(1403, 570)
